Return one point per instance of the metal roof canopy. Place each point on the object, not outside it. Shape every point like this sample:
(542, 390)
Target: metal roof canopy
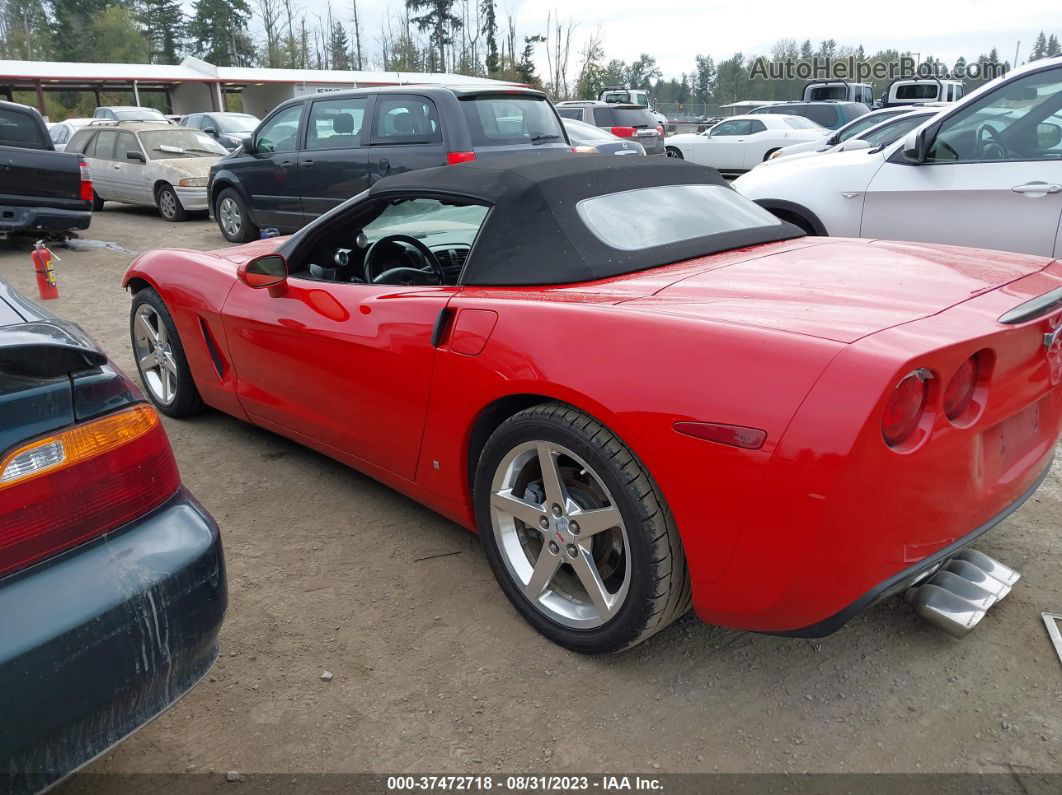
(43, 76)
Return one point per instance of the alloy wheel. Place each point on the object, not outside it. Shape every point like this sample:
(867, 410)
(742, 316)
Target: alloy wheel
(561, 535)
(229, 216)
(154, 356)
(167, 204)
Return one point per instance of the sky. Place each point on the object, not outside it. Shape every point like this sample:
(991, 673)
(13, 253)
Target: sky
(674, 31)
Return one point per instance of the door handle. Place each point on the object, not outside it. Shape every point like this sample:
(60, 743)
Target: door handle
(286, 163)
(385, 165)
(1036, 189)
(306, 163)
(115, 166)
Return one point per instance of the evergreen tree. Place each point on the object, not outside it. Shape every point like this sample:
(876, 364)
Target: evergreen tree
(73, 19)
(526, 64)
(705, 77)
(1053, 48)
(24, 31)
(218, 32)
(438, 17)
(806, 51)
(1039, 49)
(165, 28)
(116, 37)
(339, 47)
(490, 30)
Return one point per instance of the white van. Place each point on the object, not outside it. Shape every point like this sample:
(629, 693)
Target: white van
(916, 90)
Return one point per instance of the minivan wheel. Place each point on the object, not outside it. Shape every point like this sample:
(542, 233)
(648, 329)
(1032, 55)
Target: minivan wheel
(233, 218)
(577, 533)
(169, 205)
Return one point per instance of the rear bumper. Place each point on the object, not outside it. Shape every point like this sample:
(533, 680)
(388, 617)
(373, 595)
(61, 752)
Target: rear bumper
(98, 641)
(900, 582)
(31, 219)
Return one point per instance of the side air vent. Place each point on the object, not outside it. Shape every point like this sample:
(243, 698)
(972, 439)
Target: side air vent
(452, 261)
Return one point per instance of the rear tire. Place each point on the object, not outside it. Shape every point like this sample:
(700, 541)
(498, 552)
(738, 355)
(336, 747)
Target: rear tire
(169, 205)
(674, 151)
(160, 358)
(233, 217)
(614, 531)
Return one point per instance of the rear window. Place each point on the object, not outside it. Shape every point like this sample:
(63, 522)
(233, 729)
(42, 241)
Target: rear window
(819, 93)
(511, 120)
(823, 115)
(917, 91)
(571, 113)
(623, 117)
(20, 129)
(649, 217)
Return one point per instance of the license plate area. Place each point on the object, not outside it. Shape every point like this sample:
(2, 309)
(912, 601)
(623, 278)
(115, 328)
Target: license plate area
(1008, 445)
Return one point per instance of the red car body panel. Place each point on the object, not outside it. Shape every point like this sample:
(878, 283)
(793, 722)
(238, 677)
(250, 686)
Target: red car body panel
(803, 339)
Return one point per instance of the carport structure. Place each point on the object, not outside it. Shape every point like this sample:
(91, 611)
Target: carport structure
(197, 86)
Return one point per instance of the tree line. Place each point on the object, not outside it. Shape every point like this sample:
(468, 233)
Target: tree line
(470, 37)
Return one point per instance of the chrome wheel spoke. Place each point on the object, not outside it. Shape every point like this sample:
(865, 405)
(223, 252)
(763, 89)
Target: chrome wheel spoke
(147, 362)
(586, 571)
(144, 328)
(545, 567)
(526, 512)
(160, 338)
(551, 477)
(595, 520)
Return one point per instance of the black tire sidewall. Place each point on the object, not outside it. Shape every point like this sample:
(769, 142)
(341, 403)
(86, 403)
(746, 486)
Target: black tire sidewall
(620, 631)
(178, 213)
(188, 400)
(247, 229)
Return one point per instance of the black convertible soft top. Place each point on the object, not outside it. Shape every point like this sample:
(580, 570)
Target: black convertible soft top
(533, 234)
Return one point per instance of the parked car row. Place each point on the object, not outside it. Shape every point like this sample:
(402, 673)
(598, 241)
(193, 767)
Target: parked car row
(985, 171)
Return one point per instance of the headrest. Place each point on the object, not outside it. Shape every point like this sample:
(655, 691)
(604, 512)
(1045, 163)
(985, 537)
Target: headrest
(343, 123)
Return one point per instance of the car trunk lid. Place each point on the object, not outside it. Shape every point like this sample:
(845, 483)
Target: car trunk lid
(840, 289)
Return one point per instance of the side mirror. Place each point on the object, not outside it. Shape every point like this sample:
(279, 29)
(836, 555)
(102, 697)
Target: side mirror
(914, 146)
(1048, 135)
(133, 155)
(855, 144)
(268, 270)
(248, 145)
(211, 131)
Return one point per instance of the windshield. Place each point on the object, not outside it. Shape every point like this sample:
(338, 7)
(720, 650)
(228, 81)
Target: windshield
(139, 113)
(819, 93)
(236, 123)
(800, 123)
(579, 131)
(865, 123)
(180, 142)
(894, 130)
(429, 220)
(917, 91)
(648, 217)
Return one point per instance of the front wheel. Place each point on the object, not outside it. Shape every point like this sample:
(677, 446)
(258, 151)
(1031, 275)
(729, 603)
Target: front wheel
(160, 357)
(674, 151)
(577, 533)
(170, 206)
(234, 219)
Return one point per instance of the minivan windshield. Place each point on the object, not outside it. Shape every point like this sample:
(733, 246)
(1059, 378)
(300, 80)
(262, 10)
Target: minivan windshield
(511, 120)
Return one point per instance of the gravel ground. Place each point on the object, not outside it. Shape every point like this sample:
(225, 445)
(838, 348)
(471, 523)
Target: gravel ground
(433, 671)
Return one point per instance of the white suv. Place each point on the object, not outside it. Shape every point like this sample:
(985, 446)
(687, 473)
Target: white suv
(986, 172)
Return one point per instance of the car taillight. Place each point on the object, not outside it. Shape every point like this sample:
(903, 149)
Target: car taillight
(623, 132)
(453, 158)
(63, 489)
(960, 390)
(905, 408)
(86, 182)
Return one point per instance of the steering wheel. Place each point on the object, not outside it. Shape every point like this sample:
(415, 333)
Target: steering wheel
(986, 142)
(404, 274)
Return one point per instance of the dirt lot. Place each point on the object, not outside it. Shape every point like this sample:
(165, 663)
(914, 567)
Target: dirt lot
(433, 671)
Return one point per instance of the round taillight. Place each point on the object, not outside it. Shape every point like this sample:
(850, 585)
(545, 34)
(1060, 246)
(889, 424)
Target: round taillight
(960, 390)
(905, 408)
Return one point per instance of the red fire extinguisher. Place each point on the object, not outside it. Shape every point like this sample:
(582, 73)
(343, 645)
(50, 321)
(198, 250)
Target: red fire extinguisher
(47, 285)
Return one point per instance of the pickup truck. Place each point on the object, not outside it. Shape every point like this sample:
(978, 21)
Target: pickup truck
(42, 192)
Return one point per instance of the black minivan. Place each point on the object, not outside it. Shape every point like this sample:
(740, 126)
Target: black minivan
(312, 153)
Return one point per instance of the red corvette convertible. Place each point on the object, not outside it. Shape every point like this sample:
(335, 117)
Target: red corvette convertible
(640, 389)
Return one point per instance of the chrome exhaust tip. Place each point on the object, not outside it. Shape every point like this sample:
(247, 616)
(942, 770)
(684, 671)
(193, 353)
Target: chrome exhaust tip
(957, 595)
